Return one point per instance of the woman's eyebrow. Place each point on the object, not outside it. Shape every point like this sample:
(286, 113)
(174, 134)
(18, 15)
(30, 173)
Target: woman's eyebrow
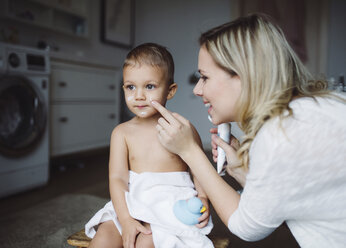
(200, 71)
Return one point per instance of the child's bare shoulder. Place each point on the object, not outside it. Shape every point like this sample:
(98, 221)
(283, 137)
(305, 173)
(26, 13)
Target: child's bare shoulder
(123, 128)
(119, 131)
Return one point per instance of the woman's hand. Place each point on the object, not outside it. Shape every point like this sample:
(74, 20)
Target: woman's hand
(233, 162)
(175, 132)
(204, 219)
(130, 229)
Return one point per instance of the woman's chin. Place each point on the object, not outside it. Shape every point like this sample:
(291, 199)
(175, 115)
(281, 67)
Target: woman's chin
(218, 121)
(215, 121)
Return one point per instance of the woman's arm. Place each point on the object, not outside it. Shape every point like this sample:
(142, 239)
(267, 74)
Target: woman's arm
(223, 197)
(118, 185)
(176, 134)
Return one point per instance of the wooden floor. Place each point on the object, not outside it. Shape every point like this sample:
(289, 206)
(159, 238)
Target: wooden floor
(88, 174)
(83, 173)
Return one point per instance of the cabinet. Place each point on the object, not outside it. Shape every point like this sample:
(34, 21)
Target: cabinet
(64, 16)
(84, 106)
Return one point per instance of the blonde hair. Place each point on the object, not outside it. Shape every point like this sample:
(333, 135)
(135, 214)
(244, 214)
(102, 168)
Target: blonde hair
(154, 55)
(256, 50)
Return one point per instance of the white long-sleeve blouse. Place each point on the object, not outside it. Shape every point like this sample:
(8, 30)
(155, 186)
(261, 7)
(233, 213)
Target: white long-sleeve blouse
(298, 174)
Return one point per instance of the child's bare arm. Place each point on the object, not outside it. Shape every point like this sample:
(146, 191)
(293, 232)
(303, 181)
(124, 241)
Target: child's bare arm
(118, 173)
(204, 219)
(198, 187)
(201, 193)
(118, 185)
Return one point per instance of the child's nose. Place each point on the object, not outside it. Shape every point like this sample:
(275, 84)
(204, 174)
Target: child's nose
(140, 94)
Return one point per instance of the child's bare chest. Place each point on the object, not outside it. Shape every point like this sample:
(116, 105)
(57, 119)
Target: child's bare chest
(145, 153)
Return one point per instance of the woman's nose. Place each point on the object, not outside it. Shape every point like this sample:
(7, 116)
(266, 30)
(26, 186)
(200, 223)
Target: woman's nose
(198, 89)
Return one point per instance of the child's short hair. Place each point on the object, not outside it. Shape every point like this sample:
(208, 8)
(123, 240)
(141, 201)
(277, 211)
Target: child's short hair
(154, 55)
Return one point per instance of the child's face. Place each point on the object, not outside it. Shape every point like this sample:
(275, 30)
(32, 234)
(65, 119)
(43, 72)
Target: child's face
(143, 84)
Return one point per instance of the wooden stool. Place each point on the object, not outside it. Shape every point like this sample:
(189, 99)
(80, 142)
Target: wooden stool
(79, 239)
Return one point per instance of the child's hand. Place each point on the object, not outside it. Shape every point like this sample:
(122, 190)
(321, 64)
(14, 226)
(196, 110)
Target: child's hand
(204, 219)
(130, 230)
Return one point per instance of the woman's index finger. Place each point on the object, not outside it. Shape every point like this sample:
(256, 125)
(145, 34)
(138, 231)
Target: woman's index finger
(164, 112)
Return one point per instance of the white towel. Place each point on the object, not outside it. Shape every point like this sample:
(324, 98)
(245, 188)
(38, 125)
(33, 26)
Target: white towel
(150, 199)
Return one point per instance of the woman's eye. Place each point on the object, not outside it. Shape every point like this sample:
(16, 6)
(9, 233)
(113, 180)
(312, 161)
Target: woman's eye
(150, 87)
(233, 73)
(203, 78)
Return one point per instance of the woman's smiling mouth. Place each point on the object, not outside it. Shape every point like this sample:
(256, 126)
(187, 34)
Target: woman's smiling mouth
(208, 105)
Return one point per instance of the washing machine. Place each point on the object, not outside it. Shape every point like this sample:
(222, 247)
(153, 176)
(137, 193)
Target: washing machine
(24, 115)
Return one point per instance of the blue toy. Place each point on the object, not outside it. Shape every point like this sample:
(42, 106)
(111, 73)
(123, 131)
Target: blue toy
(188, 211)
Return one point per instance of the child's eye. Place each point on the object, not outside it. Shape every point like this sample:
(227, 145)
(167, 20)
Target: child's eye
(150, 86)
(130, 87)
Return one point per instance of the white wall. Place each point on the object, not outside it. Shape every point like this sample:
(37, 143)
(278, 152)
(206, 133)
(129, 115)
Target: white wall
(337, 39)
(177, 25)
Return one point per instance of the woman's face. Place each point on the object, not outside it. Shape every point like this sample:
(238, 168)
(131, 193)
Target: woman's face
(218, 89)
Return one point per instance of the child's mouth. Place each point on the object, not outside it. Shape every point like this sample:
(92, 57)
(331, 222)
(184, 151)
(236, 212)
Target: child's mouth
(141, 106)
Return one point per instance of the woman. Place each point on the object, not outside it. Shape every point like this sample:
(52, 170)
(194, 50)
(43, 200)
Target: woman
(292, 158)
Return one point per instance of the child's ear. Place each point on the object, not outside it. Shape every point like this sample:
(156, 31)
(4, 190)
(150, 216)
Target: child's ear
(172, 89)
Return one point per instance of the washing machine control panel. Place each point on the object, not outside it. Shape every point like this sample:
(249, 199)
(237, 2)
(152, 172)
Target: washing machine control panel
(13, 60)
(36, 62)
(23, 59)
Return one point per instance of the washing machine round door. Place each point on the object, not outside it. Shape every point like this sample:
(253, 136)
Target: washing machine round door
(23, 115)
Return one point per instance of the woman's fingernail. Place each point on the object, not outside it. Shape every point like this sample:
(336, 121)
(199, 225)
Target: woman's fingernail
(153, 102)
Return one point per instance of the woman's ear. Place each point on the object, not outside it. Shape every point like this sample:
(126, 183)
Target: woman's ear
(172, 89)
